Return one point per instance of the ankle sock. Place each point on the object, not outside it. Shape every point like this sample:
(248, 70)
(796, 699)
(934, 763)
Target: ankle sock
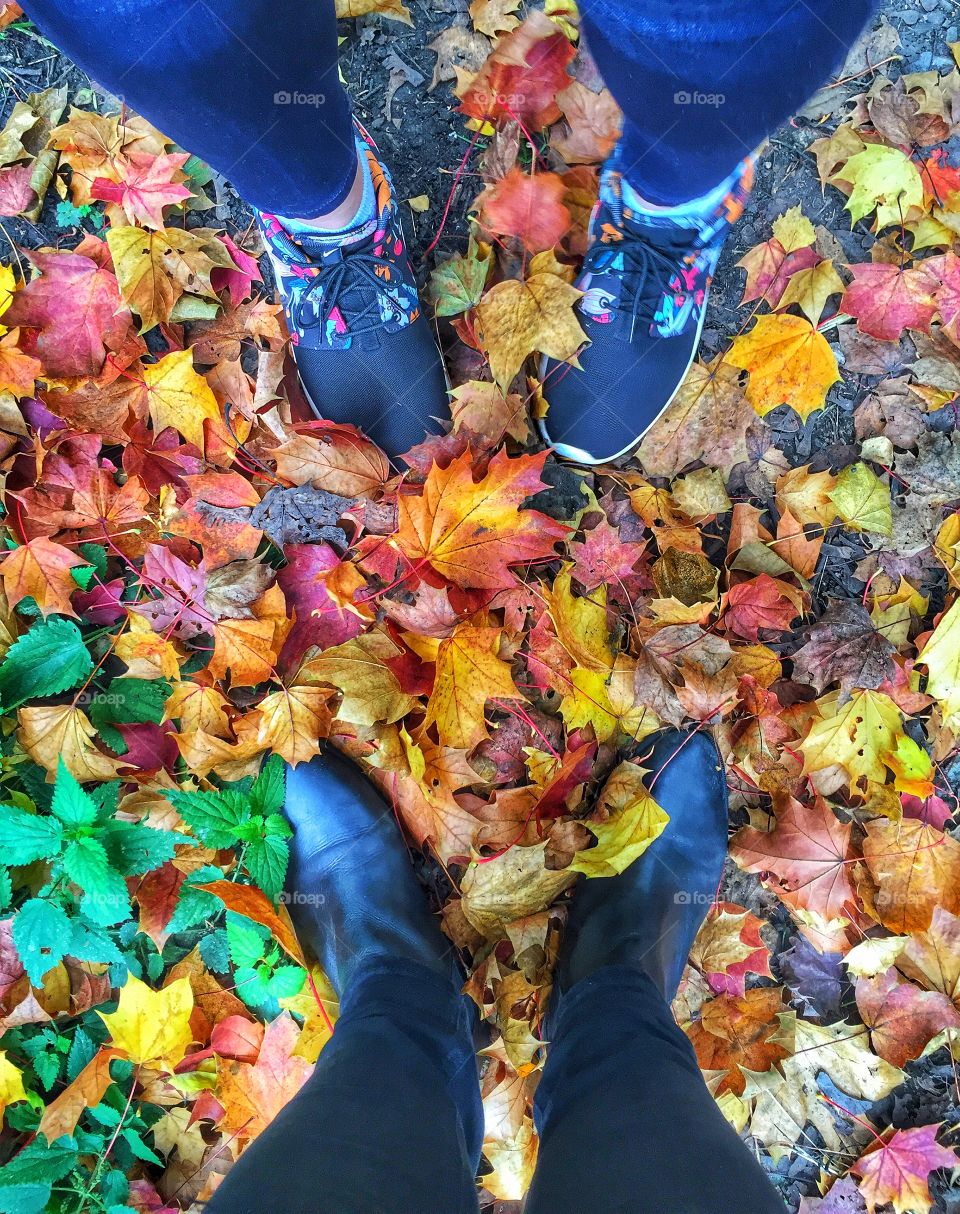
(705, 204)
(359, 226)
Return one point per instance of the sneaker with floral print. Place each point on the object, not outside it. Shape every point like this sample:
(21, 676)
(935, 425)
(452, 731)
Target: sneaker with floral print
(364, 349)
(645, 282)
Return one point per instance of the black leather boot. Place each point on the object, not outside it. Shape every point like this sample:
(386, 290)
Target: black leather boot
(648, 916)
(350, 886)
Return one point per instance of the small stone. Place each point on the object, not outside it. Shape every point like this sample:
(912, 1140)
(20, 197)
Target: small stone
(929, 6)
(908, 17)
(953, 33)
(925, 62)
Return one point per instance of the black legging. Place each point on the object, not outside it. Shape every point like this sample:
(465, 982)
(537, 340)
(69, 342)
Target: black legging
(251, 86)
(390, 1122)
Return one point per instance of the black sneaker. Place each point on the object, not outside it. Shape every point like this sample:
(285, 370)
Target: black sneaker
(364, 349)
(645, 279)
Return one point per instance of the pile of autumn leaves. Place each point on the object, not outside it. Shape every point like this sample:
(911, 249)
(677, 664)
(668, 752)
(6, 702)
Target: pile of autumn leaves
(492, 636)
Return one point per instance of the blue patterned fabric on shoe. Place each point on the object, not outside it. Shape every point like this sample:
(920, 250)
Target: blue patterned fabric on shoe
(645, 282)
(365, 352)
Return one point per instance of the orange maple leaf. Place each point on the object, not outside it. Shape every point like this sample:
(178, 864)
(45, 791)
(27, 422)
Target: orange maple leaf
(471, 532)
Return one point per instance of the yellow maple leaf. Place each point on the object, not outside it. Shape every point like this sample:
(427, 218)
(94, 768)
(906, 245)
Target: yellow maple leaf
(357, 668)
(178, 396)
(581, 624)
(633, 820)
(147, 654)
(794, 230)
(293, 720)
(50, 732)
(11, 1083)
(318, 1006)
(861, 735)
(806, 495)
(941, 656)
(152, 1027)
(885, 178)
(8, 284)
(383, 8)
(515, 318)
(469, 673)
(154, 269)
(862, 500)
(790, 363)
(586, 701)
(811, 288)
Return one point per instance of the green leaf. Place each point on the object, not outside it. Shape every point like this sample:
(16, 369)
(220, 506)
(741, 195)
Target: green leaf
(196, 905)
(133, 848)
(96, 554)
(247, 944)
(212, 816)
(47, 1067)
(26, 837)
(114, 1187)
(45, 661)
(90, 942)
(287, 981)
(269, 788)
(266, 860)
(215, 951)
(105, 897)
(69, 216)
(456, 285)
(6, 888)
(140, 1149)
(83, 575)
(82, 1050)
(129, 701)
(26, 1181)
(41, 935)
(71, 804)
(252, 986)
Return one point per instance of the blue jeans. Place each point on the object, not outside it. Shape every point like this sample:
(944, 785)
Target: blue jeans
(390, 1121)
(251, 86)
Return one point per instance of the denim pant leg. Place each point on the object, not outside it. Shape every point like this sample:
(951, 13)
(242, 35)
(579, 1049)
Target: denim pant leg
(703, 82)
(390, 1122)
(250, 86)
(626, 1123)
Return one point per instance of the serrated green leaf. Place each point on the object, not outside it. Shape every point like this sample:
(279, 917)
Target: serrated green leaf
(133, 848)
(286, 981)
(105, 897)
(456, 285)
(41, 935)
(82, 1050)
(96, 554)
(90, 942)
(48, 659)
(212, 816)
(215, 951)
(128, 701)
(71, 804)
(269, 788)
(247, 944)
(26, 837)
(139, 1148)
(266, 860)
